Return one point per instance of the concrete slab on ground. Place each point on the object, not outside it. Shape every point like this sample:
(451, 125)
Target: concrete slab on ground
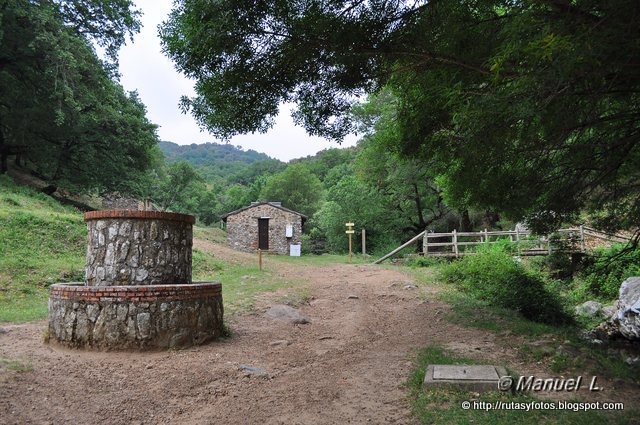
(478, 378)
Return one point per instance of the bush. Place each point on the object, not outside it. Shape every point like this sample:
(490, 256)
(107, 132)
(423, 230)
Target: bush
(610, 267)
(314, 242)
(424, 261)
(492, 275)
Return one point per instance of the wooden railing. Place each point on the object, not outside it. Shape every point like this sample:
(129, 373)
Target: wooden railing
(460, 243)
(455, 244)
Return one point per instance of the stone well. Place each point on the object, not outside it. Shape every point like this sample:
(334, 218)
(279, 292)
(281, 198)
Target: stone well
(138, 292)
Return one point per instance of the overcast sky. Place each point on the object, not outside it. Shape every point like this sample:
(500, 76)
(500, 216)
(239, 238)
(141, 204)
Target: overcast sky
(144, 68)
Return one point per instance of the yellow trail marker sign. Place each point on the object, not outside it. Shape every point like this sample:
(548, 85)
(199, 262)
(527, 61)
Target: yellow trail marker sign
(349, 232)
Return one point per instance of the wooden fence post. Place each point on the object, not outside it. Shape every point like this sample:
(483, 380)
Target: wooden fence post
(425, 243)
(454, 239)
(364, 242)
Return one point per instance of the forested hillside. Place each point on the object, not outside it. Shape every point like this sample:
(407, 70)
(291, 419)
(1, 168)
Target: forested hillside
(216, 161)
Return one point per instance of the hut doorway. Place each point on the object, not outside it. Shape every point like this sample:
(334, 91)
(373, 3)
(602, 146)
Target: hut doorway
(263, 234)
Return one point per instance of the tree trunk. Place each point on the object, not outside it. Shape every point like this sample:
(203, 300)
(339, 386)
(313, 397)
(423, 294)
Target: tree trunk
(3, 154)
(465, 221)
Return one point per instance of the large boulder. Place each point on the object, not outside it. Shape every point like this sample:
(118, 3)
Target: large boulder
(627, 317)
(624, 318)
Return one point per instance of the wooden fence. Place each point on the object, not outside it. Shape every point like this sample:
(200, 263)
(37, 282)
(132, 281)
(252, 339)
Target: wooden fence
(455, 244)
(460, 243)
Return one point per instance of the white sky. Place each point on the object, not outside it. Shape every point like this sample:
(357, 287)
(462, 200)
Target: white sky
(144, 68)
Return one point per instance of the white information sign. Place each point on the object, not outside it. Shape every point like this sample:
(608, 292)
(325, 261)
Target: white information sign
(294, 250)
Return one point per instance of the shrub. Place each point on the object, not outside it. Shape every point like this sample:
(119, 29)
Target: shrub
(314, 242)
(610, 267)
(494, 276)
(425, 261)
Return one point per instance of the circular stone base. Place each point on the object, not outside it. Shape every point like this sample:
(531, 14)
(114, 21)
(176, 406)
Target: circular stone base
(135, 317)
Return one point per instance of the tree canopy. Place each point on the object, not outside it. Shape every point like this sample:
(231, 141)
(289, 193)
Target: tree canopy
(528, 107)
(61, 106)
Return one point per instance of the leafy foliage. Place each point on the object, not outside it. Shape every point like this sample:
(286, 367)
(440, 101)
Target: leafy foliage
(483, 90)
(610, 267)
(296, 187)
(492, 275)
(59, 107)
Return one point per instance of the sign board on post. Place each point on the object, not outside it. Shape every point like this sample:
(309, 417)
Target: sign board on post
(349, 232)
(294, 250)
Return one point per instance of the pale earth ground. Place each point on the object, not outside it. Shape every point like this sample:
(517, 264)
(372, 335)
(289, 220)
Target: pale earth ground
(348, 366)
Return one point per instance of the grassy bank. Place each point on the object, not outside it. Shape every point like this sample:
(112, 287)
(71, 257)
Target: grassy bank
(41, 242)
(491, 292)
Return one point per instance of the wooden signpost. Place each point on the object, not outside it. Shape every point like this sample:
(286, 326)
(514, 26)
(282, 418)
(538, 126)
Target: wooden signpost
(350, 232)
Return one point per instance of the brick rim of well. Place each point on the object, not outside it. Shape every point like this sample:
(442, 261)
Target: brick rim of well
(78, 291)
(137, 214)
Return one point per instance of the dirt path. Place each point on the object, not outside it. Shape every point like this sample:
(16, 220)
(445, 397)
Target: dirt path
(348, 365)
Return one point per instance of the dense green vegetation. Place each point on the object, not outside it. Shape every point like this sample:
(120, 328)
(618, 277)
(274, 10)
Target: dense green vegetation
(220, 163)
(41, 242)
(62, 111)
(483, 90)
(494, 276)
(393, 198)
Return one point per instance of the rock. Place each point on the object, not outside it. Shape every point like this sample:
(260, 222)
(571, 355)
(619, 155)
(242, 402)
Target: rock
(632, 361)
(284, 312)
(609, 310)
(182, 339)
(628, 316)
(603, 332)
(279, 342)
(144, 325)
(252, 370)
(410, 287)
(400, 283)
(589, 309)
(3, 331)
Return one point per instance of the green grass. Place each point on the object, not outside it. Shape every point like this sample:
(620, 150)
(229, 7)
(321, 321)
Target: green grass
(322, 260)
(16, 365)
(211, 234)
(41, 242)
(241, 283)
(444, 406)
(468, 311)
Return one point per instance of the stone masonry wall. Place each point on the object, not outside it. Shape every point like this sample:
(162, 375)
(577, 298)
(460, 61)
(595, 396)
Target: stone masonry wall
(242, 229)
(116, 201)
(162, 316)
(151, 251)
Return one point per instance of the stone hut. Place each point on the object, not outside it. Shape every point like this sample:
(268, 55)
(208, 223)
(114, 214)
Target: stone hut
(264, 225)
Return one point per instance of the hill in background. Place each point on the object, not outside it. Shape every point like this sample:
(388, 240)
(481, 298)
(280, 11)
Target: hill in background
(215, 161)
